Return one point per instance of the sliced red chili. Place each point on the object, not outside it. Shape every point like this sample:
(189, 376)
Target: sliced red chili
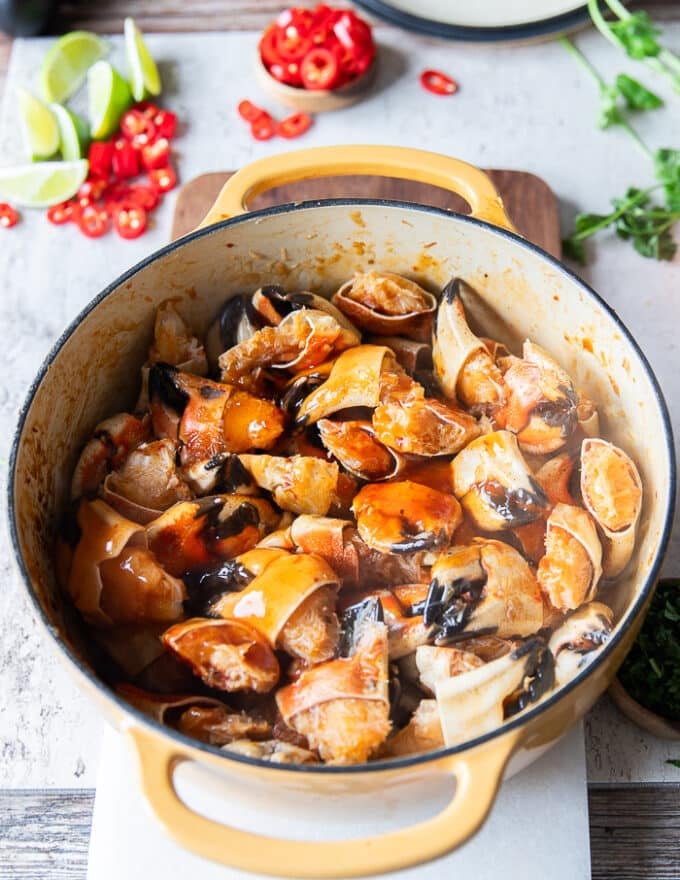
(155, 155)
(320, 69)
(287, 72)
(438, 83)
(8, 216)
(146, 197)
(61, 213)
(291, 44)
(267, 47)
(148, 108)
(130, 220)
(293, 126)
(249, 111)
(164, 179)
(263, 128)
(125, 161)
(91, 190)
(137, 128)
(352, 31)
(166, 124)
(92, 220)
(100, 156)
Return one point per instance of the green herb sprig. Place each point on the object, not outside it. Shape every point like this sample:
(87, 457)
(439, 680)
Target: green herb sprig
(651, 671)
(635, 217)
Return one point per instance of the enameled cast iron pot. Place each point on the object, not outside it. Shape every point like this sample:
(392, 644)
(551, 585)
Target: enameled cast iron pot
(92, 372)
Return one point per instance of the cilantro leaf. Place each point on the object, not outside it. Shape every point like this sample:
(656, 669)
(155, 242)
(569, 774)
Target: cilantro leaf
(667, 169)
(573, 249)
(638, 35)
(636, 96)
(674, 761)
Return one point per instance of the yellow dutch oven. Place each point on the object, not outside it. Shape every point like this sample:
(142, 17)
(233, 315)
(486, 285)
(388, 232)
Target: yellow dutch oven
(523, 292)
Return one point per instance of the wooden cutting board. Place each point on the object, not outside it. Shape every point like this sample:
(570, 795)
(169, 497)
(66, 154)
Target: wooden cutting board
(529, 201)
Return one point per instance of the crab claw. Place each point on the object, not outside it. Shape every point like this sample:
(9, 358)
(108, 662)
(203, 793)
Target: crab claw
(569, 571)
(476, 702)
(463, 366)
(575, 642)
(359, 451)
(354, 380)
(273, 304)
(541, 401)
(387, 304)
(342, 706)
(425, 426)
(226, 654)
(114, 578)
(273, 751)
(487, 587)
(612, 493)
(174, 343)
(303, 339)
(291, 602)
(494, 484)
(330, 538)
(236, 322)
(403, 517)
(112, 441)
(300, 483)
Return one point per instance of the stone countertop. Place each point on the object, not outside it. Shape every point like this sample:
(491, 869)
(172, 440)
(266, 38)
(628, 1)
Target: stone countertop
(524, 107)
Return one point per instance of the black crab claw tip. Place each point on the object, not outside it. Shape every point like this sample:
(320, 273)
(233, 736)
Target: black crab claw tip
(206, 585)
(164, 388)
(354, 621)
(539, 675)
(451, 290)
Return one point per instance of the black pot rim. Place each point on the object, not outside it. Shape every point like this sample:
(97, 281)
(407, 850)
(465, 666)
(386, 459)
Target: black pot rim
(387, 765)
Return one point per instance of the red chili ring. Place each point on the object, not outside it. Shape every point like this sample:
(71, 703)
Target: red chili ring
(438, 83)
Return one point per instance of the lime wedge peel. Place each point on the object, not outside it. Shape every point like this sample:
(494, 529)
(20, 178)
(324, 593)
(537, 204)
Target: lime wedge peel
(65, 65)
(74, 133)
(39, 126)
(108, 98)
(145, 81)
(42, 184)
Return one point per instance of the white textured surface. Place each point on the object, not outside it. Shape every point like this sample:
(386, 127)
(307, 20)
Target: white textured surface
(527, 108)
(127, 842)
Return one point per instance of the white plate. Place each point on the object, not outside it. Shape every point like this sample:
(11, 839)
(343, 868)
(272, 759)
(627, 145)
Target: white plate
(483, 20)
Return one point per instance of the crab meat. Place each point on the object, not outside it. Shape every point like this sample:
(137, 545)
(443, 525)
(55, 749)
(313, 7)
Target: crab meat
(272, 303)
(300, 484)
(147, 482)
(438, 664)
(359, 451)
(423, 427)
(402, 517)
(540, 405)
(292, 603)
(303, 339)
(612, 493)
(569, 571)
(412, 356)
(330, 538)
(463, 366)
(112, 441)
(273, 751)
(386, 304)
(174, 342)
(342, 706)
(423, 733)
(494, 484)
(228, 655)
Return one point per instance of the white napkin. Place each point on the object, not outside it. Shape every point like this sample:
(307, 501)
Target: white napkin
(538, 827)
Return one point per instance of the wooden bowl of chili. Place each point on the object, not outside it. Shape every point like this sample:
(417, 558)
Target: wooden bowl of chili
(316, 60)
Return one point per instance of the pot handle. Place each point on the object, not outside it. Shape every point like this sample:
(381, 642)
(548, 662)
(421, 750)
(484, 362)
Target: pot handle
(478, 775)
(418, 165)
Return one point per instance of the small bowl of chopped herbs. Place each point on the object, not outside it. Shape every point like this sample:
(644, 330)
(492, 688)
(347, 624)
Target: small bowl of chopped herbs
(647, 688)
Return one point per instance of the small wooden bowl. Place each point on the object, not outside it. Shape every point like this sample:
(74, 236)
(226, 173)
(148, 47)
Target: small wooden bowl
(315, 100)
(662, 727)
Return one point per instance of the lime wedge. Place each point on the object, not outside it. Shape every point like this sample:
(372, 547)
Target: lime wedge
(144, 77)
(42, 184)
(39, 126)
(108, 96)
(64, 67)
(74, 133)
